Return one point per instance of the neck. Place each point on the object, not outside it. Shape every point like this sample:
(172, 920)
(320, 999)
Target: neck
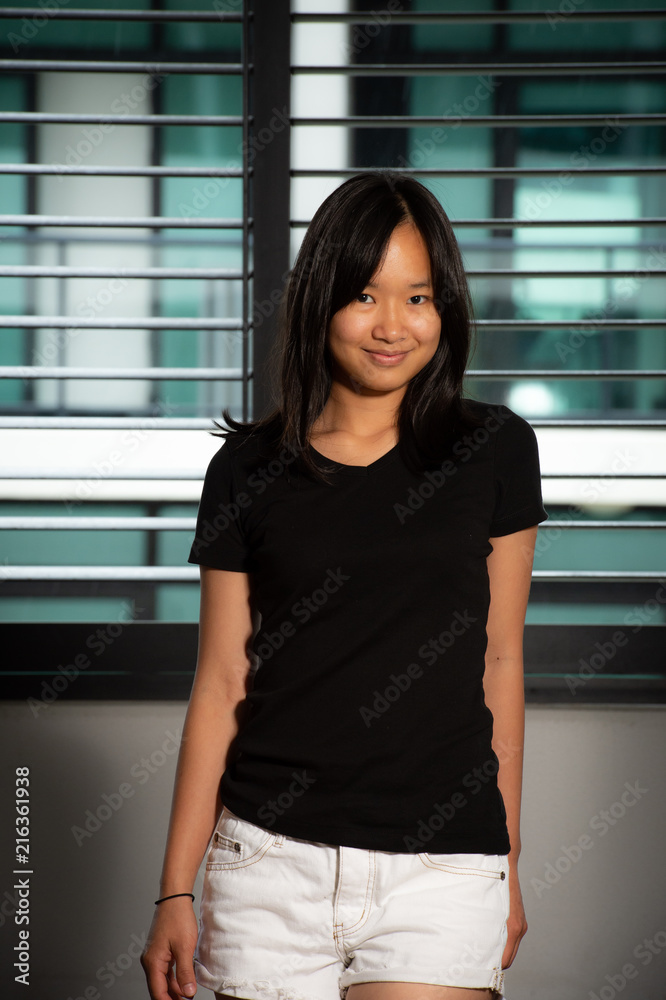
(358, 415)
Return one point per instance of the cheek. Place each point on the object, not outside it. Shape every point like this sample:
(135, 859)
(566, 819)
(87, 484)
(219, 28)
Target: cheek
(429, 329)
(344, 330)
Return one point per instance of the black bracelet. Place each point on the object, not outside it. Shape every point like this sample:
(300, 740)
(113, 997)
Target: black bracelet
(174, 896)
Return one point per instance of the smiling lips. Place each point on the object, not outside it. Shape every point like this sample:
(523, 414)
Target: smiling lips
(387, 358)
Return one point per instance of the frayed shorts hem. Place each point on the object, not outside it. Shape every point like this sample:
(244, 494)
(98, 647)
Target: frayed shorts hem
(262, 989)
(259, 989)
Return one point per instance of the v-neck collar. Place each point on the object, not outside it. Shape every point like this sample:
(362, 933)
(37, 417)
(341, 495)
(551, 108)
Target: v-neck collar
(357, 470)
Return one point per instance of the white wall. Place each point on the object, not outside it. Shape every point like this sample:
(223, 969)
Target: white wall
(91, 900)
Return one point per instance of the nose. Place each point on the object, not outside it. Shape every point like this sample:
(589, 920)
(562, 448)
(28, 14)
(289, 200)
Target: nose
(390, 321)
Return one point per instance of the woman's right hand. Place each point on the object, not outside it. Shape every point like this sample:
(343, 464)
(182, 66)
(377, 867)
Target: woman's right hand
(171, 941)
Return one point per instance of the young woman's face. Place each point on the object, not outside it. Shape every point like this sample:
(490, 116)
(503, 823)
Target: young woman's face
(391, 330)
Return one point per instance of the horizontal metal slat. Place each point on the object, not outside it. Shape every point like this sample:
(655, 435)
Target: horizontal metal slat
(82, 14)
(179, 323)
(647, 68)
(184, 573)
(61, 118)
(40, 523)
(30, 422)
(153, 423)
(158, 574)
(116, 66)
(483, 121)
(118, 323)
(130, 523)
(578, 373)
(359, 17)
(115, 222)
(350, 121)
(120, 475)
(158, 374)
(565, 324)
(222, 374)
(506, 272)
(492, 172)
(65, 170)
(478, 16)
(51, 473)
(514, 223)
(72, 271)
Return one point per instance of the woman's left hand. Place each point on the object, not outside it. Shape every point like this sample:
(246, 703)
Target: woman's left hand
(516, 923)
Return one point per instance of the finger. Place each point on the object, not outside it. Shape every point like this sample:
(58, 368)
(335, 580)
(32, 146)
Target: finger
(185, 980)
(158, 986)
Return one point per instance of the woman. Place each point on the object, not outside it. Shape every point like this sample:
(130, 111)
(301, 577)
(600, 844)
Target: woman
(351, 766)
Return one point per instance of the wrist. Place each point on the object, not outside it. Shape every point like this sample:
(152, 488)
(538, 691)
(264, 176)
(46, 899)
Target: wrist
(175, 895)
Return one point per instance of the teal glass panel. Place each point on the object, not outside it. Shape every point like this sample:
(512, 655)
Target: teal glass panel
(177, 603)
(560, 30)
(72, 547)
(13, 195)
(450, 37)
(207, 36)
(173, 547)
(453, 145)
(634, 249)
(202, 146)
(43, 31)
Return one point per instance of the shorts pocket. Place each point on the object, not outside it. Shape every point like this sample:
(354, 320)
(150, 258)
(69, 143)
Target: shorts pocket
(237, 843)
(484, 865)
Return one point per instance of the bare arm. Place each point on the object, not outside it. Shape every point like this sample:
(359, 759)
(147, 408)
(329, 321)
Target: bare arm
(510, 574)
(212, 722)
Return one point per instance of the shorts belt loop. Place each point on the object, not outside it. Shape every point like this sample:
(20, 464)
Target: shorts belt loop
(279, 840)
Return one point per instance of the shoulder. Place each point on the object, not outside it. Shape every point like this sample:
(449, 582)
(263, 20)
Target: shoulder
(511, 426)
(242, 451)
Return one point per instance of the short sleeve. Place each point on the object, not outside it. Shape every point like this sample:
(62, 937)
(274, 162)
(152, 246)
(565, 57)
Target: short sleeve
(219, 539)
(518, 499)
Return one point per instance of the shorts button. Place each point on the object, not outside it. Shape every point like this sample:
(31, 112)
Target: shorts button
(237, 847)
(503, 875)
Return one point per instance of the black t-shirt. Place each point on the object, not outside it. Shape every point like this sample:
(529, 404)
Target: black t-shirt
(367, 725)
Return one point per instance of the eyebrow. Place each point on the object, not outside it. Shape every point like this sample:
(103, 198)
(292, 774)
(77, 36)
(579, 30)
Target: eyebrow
(416, 284)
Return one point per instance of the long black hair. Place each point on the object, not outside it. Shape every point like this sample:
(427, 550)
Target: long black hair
(343, 247)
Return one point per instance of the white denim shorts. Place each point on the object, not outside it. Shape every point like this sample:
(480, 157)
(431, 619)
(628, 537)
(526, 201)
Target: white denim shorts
(289, 919)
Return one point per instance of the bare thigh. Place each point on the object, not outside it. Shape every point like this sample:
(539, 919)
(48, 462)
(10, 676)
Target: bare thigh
(405, 991)
(416, 991)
